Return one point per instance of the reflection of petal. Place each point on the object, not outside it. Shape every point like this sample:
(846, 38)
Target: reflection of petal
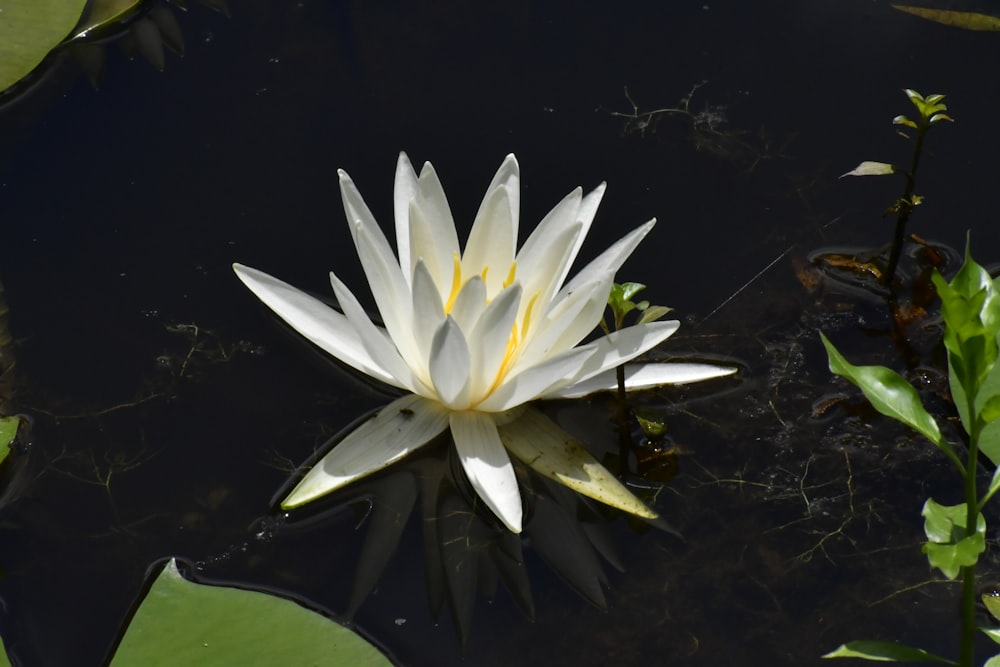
(551, 451)
(401, 427)
(395, 497)
(316, 321)
(562, 544)
(487, 465)
(645, 376)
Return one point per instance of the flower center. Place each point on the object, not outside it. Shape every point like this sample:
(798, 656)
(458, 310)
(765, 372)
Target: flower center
(518, 330)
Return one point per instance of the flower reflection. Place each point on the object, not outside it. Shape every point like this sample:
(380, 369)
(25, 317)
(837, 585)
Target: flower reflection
(473, 335)
(466, 553)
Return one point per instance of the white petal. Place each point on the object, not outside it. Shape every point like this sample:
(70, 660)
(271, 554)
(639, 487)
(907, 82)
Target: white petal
(623, 345)
(355, 208)
(568, 322)
(469, 304)
(541, 444)
(534, 257)
(449, 365)
(585, 216)
(492, 242)
(404, 191)
(378, 345)
(488, 340)
(552, 374)
(390, 290)
(401, 427)
(644, 376)
(312, 318)
(428, 314)
(609, 261)
(509, 177)
(432, 229)
(541, 273)
(487, 465)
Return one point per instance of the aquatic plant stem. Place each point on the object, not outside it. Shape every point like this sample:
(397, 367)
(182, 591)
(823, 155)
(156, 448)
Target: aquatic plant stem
(905, 205)
(968, 636)
(624, 437)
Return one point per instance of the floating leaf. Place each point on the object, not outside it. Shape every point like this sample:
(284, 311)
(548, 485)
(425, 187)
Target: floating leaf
(30, 29)
(104, 15)
(183, 623)
(869, 168)
(966, 20)
(885, 652)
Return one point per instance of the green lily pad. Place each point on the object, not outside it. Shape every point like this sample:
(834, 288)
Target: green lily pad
(181, 623)
(29, 30)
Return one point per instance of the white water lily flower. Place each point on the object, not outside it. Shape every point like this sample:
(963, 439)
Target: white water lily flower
(472, 335)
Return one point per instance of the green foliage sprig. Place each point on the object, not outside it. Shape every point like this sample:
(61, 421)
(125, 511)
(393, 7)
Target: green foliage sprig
(930, 112)
(956, 534)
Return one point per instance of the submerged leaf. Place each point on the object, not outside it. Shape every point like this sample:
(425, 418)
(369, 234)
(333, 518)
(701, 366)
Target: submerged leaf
(183, 623)
(885, 652)
(966, 20)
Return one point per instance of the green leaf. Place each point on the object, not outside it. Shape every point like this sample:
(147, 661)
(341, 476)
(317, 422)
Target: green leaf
(992, 662)
(869, 168)
(888, 393)
(885, 652)
(992, 602)
(903, 120)
(653, 313)
(181, 623)
(994, 485)
(629, 290)
(103, 15)
(951, 547)
(29, 30)
(989, 441)
(966, 20)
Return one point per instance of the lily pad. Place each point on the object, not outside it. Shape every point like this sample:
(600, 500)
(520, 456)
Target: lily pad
(29, 30)
(181, 623)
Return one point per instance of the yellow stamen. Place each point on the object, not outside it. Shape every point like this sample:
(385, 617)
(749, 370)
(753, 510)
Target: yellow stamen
(456, 284)
(483, 274)
(508, 357)
(510, 274)
(526, 322)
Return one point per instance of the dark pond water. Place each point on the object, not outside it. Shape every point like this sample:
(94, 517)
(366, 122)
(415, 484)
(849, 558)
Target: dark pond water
(170, 407)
